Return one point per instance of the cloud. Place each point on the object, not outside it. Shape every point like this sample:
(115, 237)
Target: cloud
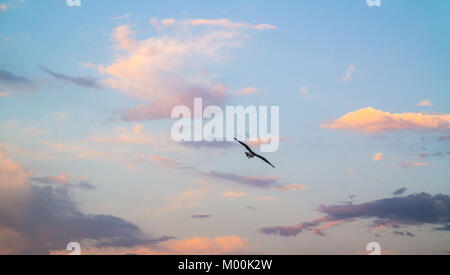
(409, 164)
(260, 182)
(165, 70)
(291, 187)
(403, 233)
(399, 192)
(232, 194)
(348, 73)
(169, 246)
(4, 94)
(435, 154)
(378, 157)
(247, 91)
(303, 90)
(185, 200)
(271, 183)
(265, 140)
(172, 163)
(86, 82)
(65, 181)
(443, 228)
(373, 121)
(3, 7)
(120, 17)
(425, 103)
(14, 82)
(45, 218)
(411, 210)
(224, 23)
(201, 216)
(218, 245)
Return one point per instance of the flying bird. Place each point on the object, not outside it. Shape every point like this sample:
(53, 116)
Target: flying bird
(250, 154)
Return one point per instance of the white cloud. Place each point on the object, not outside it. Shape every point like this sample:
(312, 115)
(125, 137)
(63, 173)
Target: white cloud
(425, 103)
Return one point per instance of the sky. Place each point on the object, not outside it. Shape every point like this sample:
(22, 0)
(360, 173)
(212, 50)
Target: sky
(86, 153)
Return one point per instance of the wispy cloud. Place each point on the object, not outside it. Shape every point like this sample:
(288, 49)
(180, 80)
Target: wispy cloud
(409, 164)
(232, 194)
(403, 233)
(304, 90)
(163, 71)
(425, 103)
(399, 192)
(348, 73)
(224, 23)
(247, 91)
(14, 82)
(201, 216)
(120, 17)
(86, 82)
(65, 181)
(260, 182)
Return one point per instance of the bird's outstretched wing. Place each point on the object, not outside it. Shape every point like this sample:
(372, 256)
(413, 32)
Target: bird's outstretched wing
(264, 159)
(245, 145)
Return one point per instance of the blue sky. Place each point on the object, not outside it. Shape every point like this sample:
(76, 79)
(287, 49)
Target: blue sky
(86, 93)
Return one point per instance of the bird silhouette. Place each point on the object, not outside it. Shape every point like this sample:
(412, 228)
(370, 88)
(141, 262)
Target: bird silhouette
(250, 154)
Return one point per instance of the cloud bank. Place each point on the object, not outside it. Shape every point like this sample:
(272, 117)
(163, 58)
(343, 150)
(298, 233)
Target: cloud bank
(415, 209)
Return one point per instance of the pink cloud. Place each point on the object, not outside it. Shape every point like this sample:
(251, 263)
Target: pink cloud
(232, 194)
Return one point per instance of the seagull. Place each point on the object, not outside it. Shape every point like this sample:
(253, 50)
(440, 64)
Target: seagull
(250, 154)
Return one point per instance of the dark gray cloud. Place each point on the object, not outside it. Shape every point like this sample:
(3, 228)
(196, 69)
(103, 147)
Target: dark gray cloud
(8, 77)
(415, 209)
(201, 216)
(53, 220)
(259, 182)
(15, 82)
(399, 192)
(443, 228)
(86, 82)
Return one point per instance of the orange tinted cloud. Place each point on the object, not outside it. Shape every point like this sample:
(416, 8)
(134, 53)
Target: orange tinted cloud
(247, 91)
(378, 157)
(199, 245)
(370, 120)
(193, 246)
(409, 164)
(14, 188)
(265, 140)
